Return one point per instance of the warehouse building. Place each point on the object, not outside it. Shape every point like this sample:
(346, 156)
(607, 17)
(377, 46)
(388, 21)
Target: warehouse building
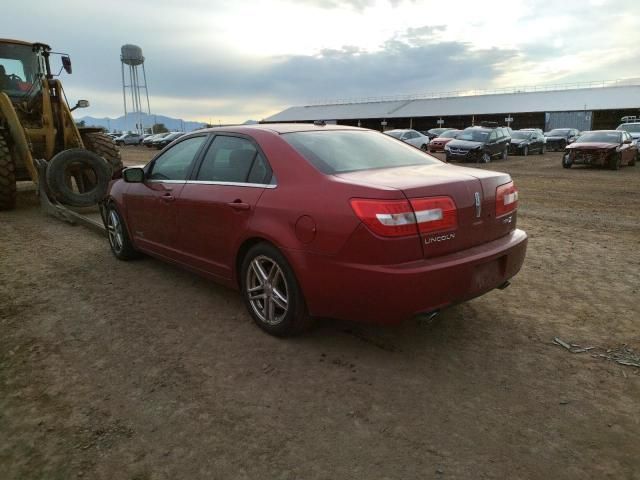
(587, 106)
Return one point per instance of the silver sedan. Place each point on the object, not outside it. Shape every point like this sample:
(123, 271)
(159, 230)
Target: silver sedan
(412, 137)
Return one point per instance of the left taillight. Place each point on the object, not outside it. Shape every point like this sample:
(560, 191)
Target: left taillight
(396, 218)
(506, 199)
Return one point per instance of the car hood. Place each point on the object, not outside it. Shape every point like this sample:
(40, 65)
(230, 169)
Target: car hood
(555, 137)
(517, 141)
(464, 144)
(442, 139)
(592, 145)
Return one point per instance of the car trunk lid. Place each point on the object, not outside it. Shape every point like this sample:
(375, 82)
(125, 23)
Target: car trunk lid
(472, 190)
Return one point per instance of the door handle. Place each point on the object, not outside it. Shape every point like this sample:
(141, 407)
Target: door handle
(238, 205)
(167, 197)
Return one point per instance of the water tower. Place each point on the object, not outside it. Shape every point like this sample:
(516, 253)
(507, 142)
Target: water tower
(132, 85)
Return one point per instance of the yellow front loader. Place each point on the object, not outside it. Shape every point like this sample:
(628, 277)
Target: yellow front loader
(39, 140)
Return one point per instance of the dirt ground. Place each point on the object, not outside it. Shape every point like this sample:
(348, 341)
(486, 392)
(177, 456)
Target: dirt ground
(114, 370)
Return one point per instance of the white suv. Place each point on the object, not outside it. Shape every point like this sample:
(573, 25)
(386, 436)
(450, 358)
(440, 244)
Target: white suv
(129, 139)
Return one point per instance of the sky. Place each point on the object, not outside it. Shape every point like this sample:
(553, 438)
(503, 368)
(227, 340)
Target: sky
(230, 61)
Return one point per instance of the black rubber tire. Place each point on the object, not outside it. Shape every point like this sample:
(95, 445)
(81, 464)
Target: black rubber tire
(505, 153)
(58, 172)
(115, 224)
(447, 158)
(104, 146)
(296, 319)
(543, 150)
(7, 177)
(632, 162)
(525, 151)
(614, 161)
(424, 148)
(566, 162)
(485, 157)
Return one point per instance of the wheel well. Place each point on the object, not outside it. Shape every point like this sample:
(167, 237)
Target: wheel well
(242, 251)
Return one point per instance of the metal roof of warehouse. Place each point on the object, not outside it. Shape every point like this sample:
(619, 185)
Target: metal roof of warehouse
(603, 98)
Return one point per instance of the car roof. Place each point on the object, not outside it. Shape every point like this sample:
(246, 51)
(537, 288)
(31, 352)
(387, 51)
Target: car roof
(280, 128)
(629, 123)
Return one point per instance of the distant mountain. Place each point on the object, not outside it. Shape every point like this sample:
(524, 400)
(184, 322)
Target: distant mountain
(127, 123)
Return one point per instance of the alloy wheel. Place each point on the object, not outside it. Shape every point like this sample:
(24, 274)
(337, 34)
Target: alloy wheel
(267, 290)
(114, 229)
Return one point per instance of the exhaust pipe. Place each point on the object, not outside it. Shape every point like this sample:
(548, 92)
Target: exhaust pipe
(427, 316)
(504, 285)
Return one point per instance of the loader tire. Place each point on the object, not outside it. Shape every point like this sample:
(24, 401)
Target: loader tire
(89, 172)
(7, 177)
(104, 146)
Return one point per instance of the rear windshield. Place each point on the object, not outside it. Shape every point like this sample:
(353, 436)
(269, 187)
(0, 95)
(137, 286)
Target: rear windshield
(473, 135)
(340, 151)
(450, 134)
(558, 132)
(604, 137)
(394, 133)
(630, 127)
(521, 135)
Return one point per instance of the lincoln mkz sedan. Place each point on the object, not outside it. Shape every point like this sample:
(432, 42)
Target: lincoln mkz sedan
(320, 221)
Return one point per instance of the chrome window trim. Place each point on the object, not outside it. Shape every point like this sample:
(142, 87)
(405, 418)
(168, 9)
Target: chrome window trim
(209, 182)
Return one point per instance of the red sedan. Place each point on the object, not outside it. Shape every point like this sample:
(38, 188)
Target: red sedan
(438, 143)
(320, 221)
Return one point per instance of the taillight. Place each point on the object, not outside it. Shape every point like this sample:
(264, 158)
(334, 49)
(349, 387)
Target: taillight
(396, 218)
(506, 199)
(435, 214)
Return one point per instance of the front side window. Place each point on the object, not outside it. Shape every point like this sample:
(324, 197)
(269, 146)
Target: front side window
(493, 136)
(233, 160)
(341, 151)
(175, 163)
(20, 69)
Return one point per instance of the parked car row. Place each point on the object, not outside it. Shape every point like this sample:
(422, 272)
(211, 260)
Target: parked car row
(158, 140)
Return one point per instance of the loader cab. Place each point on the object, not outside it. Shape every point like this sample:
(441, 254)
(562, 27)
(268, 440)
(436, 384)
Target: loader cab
(22, 68)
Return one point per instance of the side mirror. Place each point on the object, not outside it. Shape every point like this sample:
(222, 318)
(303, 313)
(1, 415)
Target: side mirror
(81, 104)
(133, 175)
(66, 64)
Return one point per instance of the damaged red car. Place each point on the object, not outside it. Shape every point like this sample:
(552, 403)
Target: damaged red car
(313, 221)
(604, 148)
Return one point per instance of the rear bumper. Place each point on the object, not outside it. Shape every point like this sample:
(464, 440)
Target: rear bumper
(391, 293)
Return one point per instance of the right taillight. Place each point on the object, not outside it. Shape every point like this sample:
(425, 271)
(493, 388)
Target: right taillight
(506, 199)
(396, 218)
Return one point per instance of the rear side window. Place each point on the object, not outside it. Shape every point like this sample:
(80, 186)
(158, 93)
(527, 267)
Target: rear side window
(337, 151)
(233, 160)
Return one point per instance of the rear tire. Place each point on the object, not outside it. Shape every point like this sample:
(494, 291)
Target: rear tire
(7, 177)
(104, 146)
(271, 292)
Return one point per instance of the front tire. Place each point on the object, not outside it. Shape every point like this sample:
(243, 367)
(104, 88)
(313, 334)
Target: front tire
(566, 161)
(424, 148)
(271, 292)
(119, 240)
(614, 161)
(7, 177)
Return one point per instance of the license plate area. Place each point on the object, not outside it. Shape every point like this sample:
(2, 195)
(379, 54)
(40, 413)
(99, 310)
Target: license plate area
(488, 275)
